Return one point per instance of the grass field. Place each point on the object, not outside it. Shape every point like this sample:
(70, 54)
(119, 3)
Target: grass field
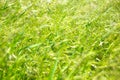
(59, 39)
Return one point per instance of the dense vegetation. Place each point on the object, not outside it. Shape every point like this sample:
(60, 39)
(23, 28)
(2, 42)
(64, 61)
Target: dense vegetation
(59, 39)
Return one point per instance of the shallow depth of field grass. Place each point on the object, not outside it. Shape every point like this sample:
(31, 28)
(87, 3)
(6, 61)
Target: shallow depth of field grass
(59, 39)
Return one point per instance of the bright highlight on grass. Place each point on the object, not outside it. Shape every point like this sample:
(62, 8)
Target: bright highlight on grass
(59, 39)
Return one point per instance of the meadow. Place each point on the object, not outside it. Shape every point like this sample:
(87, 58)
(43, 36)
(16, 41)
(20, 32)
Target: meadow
(59, 39)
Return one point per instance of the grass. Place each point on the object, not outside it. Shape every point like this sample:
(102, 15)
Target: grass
(59, 39)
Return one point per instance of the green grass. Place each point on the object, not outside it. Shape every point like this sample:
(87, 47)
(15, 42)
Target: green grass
(59, 40)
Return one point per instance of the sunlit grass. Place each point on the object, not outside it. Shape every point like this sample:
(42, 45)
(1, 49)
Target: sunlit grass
(59, 39)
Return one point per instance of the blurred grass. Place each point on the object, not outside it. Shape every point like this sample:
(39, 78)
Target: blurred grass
(59, 40)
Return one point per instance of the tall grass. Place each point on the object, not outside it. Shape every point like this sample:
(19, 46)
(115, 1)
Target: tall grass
(59, 39)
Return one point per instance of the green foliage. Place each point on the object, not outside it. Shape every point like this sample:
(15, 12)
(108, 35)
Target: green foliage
(59, 39)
